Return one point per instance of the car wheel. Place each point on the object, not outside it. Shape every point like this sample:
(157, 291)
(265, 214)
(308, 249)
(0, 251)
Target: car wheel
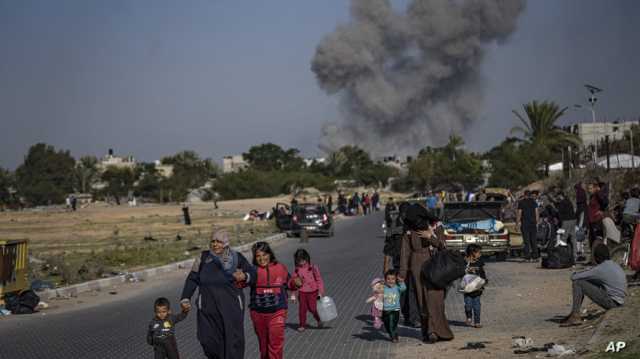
(501, 257)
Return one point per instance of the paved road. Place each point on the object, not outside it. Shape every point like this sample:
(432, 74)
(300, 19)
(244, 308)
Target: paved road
(117, 330)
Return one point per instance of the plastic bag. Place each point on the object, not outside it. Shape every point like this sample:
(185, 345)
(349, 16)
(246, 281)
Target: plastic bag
(471, 283)
(327, 309)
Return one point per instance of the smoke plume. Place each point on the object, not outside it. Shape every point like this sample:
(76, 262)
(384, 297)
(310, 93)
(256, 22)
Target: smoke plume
(408, 79)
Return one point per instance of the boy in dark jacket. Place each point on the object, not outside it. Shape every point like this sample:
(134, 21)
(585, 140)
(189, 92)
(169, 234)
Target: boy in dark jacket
(475, 265)
(162, 333)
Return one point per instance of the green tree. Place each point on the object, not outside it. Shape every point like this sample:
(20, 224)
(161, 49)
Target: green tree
(46, 176)
(348, 160)
(189, 172)
(150, 181)
(447, 166)
(512, 164)
(540, 129)
(7, 182)
(119, 181)
(271, 157)
(86, 172)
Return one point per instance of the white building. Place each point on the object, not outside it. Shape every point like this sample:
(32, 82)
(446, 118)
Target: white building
(309, 161)
(111, 160)
(233, 163)
(590, 132)
(165, 171)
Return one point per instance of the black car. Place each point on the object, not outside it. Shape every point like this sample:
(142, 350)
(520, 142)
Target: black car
(310, 217)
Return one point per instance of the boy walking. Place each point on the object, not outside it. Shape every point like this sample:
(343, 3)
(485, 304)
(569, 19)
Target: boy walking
(393, 287)
(162, 333)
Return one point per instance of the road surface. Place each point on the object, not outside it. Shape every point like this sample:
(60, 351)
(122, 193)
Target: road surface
(115, 328)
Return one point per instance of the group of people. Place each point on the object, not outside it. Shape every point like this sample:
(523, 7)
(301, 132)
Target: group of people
(606, 283)
(220, 274)
(358, 204)
(405, 254)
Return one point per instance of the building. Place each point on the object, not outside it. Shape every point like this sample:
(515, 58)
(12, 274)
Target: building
(111, 160)
(590, 132)
(309, 161)
(165, 171)
(234, 163)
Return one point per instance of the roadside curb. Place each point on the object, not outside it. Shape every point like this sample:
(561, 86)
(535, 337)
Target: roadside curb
(101, 284)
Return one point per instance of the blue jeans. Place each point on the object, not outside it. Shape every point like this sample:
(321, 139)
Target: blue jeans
(472, 307)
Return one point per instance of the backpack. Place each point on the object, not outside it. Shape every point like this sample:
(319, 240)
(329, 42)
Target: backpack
(23, 303)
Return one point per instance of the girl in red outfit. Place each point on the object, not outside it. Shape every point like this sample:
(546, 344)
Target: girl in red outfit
(269, 301)
(308, 282)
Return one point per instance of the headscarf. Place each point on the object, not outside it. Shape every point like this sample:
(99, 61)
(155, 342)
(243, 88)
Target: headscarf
(226, 258)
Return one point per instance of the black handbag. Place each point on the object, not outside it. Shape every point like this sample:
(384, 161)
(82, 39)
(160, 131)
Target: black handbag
(444, 267)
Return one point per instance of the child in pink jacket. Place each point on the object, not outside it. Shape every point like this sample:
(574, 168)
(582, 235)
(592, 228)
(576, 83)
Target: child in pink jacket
(310, 286)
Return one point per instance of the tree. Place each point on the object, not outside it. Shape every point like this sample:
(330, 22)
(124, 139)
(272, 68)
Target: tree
(271, 157)
(7, 182)
(46, 176)
(189, 172)
(348, 160)
(542, 132)
(149, 183)
(119, 181)
(86, 172)
(447, 167)
(512, 164)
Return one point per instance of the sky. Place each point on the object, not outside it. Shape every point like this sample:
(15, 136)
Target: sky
(153, 77)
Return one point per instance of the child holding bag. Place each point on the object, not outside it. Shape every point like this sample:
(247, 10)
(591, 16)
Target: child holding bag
(309, 285)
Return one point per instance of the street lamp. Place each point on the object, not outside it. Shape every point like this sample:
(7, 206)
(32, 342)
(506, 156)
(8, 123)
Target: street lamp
(595, 136)
(592, 102)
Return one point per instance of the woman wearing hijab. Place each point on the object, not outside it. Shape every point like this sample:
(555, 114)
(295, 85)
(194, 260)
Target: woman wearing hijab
(219, 274)
(417, 249)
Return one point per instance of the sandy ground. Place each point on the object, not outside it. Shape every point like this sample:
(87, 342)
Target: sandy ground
(98, 224)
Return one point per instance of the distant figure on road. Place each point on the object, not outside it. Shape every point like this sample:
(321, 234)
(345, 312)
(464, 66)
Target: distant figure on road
(162, 333)
(268, 301)
(605, 284)
(527, 219)
(185, 213)
(219, 274)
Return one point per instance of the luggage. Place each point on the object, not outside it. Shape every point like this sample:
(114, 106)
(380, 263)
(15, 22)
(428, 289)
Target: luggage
(558, 257)
(443, 268)
(23, 303)
(327, 309)
(634, 256)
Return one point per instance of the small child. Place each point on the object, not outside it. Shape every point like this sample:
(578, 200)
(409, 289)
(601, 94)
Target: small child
(377, 301)
(393, 287)
(309, 284)
(161, 333)
(475, 265)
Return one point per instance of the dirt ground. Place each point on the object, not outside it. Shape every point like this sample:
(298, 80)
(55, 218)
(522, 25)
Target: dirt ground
(527, 301)
(98, 225)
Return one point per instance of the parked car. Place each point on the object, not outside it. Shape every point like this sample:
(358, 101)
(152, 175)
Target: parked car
(312, 218)
(476, 222)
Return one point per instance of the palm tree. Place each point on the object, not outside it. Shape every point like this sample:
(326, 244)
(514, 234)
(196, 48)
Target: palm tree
(541, 131)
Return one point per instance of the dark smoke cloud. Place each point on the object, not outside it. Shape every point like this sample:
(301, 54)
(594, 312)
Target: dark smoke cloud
(407, 80)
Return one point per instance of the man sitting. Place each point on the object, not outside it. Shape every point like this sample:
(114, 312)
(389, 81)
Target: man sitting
(605, 284)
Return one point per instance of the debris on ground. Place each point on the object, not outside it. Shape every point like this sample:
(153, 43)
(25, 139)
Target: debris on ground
(42, 305)
(522, 342)
(113, 292)
(474, 345)
(532, 349)
(560, 350)
(4, 312)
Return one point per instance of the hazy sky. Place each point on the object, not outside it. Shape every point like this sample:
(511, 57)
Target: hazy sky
(151, 78)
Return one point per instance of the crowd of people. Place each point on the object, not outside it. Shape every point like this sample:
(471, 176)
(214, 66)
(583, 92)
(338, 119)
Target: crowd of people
(220, 273)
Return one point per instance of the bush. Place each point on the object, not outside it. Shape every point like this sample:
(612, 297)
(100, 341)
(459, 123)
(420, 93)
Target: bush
(253, 183)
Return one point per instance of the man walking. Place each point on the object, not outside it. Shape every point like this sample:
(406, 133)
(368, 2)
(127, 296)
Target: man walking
(528, 217)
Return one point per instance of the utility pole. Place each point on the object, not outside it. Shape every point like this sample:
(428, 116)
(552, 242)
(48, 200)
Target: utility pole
(633, 164)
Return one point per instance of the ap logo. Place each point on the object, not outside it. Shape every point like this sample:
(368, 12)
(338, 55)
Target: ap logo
(615, 347)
